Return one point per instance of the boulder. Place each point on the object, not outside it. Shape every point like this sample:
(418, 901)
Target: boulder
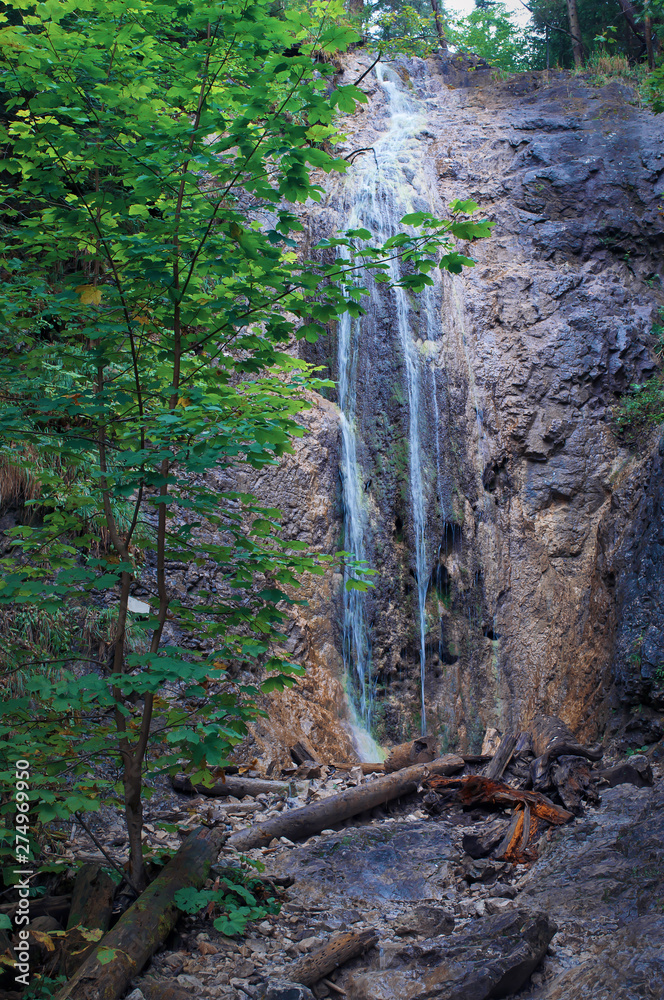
(425, 919)
(491, 957)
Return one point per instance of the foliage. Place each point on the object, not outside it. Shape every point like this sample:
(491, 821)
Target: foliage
(151, 286)
(643, 406)
(403, 28)
(237, 896)
(490, 33)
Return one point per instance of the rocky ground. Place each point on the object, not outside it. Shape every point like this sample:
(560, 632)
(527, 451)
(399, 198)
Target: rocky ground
(586, 918)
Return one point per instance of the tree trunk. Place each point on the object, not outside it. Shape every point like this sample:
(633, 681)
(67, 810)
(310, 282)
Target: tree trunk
(476, 790)
(501, 758)
(91, 908)
(298, 824)
(143, 928)
(627, 8)
(649, 45)
(230, 785)
(575, 31)
(356, 7)
(133, 788)
(439, 24)
(310, 969)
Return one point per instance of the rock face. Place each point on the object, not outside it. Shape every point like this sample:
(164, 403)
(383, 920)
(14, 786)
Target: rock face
(494, 957)
(543, 552)
(544, 532)
(602, 882)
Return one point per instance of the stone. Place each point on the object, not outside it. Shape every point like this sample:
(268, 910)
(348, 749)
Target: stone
(282, 989)
(629, 965)
(426, 920)
(628, 774)
(191, 981)
(493, 957)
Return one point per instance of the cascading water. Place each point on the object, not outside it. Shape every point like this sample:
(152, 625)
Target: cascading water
(379, 191)
(356, 647)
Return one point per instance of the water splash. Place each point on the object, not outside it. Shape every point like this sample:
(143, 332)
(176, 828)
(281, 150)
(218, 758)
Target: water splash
(379, 191)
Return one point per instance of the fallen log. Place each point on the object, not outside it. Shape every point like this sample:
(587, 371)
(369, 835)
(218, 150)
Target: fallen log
(477, 790)
(501, 758)
(124, 950)
(47, 906)
(377, 768)
(419, 751)
(91, 908)
(515, 845)
(477, 758)
(298, 824)
(234, 785)
(310, 969)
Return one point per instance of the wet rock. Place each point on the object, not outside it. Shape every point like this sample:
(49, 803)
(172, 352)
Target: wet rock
(281, 989)
(603, 882)
(431, 920)
(493, 957)
(637, 772)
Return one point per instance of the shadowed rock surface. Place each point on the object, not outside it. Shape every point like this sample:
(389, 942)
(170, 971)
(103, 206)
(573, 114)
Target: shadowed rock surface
(493, 957)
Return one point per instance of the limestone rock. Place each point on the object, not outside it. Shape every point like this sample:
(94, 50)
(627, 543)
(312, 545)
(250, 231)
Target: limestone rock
(493, 957)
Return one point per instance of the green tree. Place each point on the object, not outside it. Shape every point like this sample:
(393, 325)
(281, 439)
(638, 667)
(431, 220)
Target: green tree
(489, 32)
(623, 22)
(151, 287)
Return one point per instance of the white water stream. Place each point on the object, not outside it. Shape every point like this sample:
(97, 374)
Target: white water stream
(380, 189)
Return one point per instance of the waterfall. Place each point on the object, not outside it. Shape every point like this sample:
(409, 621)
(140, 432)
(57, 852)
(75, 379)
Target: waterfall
(379, 191)
(356, 646)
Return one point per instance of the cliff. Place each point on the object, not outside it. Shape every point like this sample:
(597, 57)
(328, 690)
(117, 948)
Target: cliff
(518, 540)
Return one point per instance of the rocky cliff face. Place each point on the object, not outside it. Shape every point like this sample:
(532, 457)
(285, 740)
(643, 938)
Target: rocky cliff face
(539, 585)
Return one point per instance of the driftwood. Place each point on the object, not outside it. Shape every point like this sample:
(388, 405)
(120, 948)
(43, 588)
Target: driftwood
(501, 758)
(91, 908)
(574, 781)
(419, 751)
(551, 739)
(311, 968)
(298, 824)
(144, 926)
(234, 785)
(514, 845)
(476, 790)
